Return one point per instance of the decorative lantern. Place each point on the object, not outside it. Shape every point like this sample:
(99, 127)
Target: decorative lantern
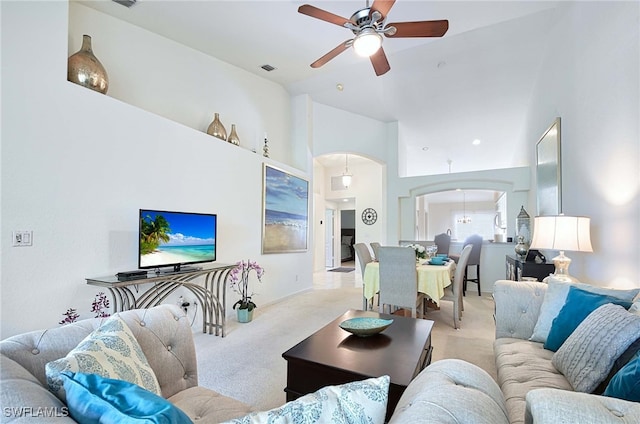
(523, 227)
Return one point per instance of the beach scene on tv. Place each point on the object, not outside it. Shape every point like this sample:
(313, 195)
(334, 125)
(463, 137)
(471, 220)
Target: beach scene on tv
(286, 212)
(168, 238)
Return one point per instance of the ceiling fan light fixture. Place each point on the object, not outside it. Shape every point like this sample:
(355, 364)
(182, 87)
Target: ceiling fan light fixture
(367, 42)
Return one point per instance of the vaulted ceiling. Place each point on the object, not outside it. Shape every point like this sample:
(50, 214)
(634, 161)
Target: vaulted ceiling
(472, 84)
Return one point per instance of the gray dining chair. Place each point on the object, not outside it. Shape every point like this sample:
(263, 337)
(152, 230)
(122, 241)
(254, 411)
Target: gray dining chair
(399, 280)
(453, 292)
(364, 257)
(443, 241)
(375, 246)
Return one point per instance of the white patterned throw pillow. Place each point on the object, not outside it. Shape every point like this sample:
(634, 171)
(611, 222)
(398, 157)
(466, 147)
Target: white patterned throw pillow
(110, 351)
(588, 354)
(351, 403)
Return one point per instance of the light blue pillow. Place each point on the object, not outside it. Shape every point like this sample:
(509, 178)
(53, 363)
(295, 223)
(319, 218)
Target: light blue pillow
(556, 296)
(626, 383)
(351, 403)
(93, 399)
(580, 303)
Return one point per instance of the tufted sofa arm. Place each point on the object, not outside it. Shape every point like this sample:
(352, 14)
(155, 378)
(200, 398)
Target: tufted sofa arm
(517, 307)
(451, 391)
(560, 406)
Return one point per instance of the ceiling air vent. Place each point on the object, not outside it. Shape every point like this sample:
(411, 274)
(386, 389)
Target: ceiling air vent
(126, 3)
(268, 68)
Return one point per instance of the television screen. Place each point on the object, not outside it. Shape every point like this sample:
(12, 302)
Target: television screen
(175, 238)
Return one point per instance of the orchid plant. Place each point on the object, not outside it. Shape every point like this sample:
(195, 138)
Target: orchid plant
(421, 251)
(240, 282)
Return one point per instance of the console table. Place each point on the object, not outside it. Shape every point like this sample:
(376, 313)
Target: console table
(517, 268)
(211, 293)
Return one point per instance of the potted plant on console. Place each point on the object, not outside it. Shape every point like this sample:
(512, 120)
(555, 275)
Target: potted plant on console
(240, 284)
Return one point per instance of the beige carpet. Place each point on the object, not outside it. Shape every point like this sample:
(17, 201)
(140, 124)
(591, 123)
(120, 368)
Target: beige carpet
(247, 364)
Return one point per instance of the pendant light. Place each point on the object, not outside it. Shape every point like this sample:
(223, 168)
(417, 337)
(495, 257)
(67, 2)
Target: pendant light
(346, 176)
(465, 219)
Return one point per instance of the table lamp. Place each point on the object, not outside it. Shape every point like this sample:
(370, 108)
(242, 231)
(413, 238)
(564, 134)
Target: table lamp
(561, 232)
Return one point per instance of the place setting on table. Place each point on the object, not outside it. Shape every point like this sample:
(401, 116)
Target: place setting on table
(434, 273)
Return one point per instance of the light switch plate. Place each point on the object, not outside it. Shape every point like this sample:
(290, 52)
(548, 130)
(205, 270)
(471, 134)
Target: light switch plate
(22, 238)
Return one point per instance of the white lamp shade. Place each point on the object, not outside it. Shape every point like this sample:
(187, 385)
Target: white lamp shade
(367, 42)
(560, 232)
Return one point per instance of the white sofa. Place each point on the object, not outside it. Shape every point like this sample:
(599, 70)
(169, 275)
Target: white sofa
(165, 336)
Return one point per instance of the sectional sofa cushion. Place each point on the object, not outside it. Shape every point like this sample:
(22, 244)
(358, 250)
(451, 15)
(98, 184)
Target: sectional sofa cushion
(555, 298)
(588, 354)
(580, 303)
(110, 351)
(351, 403)
(93, 399)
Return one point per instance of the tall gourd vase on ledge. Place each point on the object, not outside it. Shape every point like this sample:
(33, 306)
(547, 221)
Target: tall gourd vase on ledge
(84, 68)
(216, 128)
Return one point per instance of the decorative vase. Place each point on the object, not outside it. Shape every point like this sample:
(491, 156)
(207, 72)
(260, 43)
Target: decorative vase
(233, 137)
(84, 69)
(245, 315)
(521, 248)
(216, 128)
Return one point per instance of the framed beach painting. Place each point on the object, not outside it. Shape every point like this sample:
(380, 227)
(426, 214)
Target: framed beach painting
(549, 171)
(285, 211)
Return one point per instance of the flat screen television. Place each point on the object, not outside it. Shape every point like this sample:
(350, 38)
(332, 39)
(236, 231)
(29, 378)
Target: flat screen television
(176, 239)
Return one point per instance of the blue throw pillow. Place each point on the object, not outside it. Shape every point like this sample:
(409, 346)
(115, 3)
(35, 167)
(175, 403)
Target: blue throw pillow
(579, 304)
(93, 399)
(626, 383)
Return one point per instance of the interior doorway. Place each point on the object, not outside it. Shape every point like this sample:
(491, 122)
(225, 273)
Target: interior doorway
(347, 235)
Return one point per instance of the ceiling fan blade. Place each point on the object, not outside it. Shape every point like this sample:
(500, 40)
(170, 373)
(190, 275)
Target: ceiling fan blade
(380, 62)
(419, 29)
(314, 12)
(382, 6)
(333, 53)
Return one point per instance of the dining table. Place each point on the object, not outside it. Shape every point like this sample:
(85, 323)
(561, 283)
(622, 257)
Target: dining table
(431, 279)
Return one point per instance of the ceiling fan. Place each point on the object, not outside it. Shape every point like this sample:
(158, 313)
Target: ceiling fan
(368, 25)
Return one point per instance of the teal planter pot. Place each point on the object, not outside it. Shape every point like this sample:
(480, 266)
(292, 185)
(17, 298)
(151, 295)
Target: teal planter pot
(245, 315)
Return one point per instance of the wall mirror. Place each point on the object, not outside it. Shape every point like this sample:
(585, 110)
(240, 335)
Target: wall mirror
(549, 172)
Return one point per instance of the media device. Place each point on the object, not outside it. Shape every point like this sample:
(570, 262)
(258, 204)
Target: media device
(176, 239)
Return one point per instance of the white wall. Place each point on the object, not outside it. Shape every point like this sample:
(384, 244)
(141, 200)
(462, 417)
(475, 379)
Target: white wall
(77, 165)
(589, 78)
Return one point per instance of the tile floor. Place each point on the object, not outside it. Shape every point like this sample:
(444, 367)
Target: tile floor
(331, 280)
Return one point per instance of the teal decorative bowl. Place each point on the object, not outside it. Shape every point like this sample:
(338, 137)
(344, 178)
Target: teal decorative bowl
(365, 326)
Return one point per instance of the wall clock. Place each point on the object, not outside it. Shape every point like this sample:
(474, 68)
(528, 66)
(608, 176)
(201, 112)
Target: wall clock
(369, 216)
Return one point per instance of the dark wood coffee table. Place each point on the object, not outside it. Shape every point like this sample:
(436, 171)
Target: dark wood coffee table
(333, 356)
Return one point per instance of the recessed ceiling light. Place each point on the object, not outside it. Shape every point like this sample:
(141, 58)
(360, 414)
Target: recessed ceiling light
(339, 87)
(345, 200)
(425, 148)
(476, 142)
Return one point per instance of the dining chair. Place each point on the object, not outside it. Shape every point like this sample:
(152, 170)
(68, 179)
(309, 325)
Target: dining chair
(474, 260)
(364, 257)
(453, 292)
(375, 246)
(399, 280)
(443, 241)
